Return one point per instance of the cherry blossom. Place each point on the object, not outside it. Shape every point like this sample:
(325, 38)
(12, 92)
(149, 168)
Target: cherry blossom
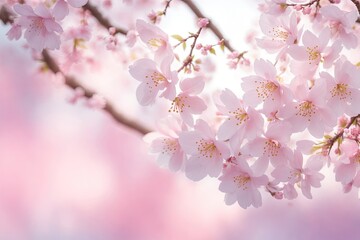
(272, 147)
(341, 24)
(155, 39)
(239, 183)
(310, 112)
(315, 50)
(305, 176)
(265, 88)
(41, 27)
(280, 32)
(206, 152)
(241, 121)
(186, 103)
(343, 88)
(166, 144)
(348, 165)
(153, 80)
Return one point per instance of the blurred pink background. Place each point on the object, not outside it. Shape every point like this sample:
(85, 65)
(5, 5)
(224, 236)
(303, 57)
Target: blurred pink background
(69, 172)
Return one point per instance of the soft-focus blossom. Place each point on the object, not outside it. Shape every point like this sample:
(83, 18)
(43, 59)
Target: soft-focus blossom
(348, 165)
(41, 27)
(341, 24)
(155, 39)
(166, 144)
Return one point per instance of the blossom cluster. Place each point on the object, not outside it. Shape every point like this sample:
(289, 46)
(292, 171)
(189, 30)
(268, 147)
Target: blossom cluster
(251, 142)
(297, 111)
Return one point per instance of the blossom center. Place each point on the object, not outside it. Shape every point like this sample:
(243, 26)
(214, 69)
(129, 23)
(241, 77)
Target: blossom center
(306, 109)
(335, 26)
(271, 148)
(279, 33)
(241, 181)
(36, 25)
(178, 104)
(265, 89)
(240, 115)
(206, 148)
(295, 174)
(341, 91)
(155, 43)
(157, 78)
(356, 157)
(314, 53)
(169, 146)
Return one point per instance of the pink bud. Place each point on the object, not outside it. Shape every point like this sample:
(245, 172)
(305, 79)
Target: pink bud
(298, 7)
(306, 10)
(198, 46)
(107, 3)
(96, 101)
(278, 195)
(112, 30)
(202, 22)
(196, 68)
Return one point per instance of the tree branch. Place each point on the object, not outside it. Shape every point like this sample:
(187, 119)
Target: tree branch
(109, 108)
(101, 19)
(357, 4)
(6, 17)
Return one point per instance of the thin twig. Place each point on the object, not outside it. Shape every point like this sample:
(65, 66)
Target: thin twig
(190, 57)
(332, 140)
(166, 7)
(211, 25)
(101, 19)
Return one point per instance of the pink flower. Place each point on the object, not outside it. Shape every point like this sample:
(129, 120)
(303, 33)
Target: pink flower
(272, 147)
(295, 173)
(341, 24)
(241, 122)
(265, 88)
(155, 39)
(342, 89)
(240, 184)
(153, 80)
(41, 27)
(348, 165)
(310, 111)
(315, 50)
(185, 103)
(206, 153)
(280, 32)
(166, 144)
